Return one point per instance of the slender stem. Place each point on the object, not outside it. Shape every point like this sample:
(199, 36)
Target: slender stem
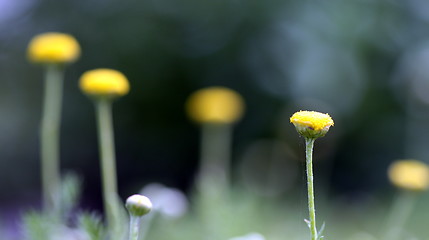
(215, 154)
(107, 155)
(144, 228)
(213, 175)
(400, 212)
(309, 142)
(50, 134)
(134, 227)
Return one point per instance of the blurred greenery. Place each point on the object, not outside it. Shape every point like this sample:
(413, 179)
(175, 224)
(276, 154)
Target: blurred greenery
(362, 61)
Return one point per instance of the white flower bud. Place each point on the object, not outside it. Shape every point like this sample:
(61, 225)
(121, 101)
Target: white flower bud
(138, 205)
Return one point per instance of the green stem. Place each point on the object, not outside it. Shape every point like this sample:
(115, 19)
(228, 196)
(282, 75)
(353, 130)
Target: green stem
(309, 143)
(107, 155)
(215, 154)
(50, 134)
(400, 212)
(144, 228)
(134, 227)
(213, 178)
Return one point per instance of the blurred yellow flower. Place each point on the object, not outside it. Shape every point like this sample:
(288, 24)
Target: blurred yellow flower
(311, 124)
(104, 82)
(215, 105)
(53, 48)
(409, 175)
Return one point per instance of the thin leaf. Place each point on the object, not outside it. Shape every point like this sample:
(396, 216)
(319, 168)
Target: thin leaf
(308, 223)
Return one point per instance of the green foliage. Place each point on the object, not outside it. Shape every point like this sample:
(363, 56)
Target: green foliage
(59, 221)
(233, 213)
(36, 226)
(68, 195)
(92, 224)
(120, 219)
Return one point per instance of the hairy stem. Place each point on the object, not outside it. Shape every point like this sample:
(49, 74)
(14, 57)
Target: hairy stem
(134, 227)
(309, 143)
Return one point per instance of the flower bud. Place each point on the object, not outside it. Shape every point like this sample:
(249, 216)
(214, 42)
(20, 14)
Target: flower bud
(311, 124)
(138, 205)
(53, 47)
(104, 83)
(218, 105)
(409, 174)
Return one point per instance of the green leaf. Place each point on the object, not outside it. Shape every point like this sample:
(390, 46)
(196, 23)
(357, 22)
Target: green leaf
(92, 225)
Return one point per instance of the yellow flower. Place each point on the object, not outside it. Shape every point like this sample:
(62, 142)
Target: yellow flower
(311, 124)
(104, 82)
(409, 174)
(53, 48)
(215, 105)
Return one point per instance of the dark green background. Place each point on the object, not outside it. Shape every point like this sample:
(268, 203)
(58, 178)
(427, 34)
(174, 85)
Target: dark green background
(365, 62)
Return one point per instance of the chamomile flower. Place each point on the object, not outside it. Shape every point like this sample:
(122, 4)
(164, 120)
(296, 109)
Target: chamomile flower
(311, 124)
(104, 82)
(53, 48)
(409, 174)
(215, 105)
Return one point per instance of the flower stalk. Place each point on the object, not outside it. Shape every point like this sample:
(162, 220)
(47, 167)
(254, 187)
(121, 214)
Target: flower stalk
(411, 177)
(103, 86)
(53, 50)
(216, 109)
(107, 154)
(134, 227)
(215, 154)
(50, 133)
(309, 143)
(138, 206)
(311, 125)
(401, 210)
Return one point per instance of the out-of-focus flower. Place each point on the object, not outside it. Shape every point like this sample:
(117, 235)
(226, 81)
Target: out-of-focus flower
(52, 47)
(409, 174)
(138, 205)
(362, 236)
(311, 124)
(169, 202)
(250, 236)
(104, 83)
(218, 105)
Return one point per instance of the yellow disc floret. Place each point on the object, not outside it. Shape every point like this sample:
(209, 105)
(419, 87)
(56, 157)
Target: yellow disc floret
(409, 174)
(58, 48)
(104, 82)
(311, 124)
(218, 105)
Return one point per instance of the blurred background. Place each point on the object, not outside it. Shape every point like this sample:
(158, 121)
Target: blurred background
(364, 62)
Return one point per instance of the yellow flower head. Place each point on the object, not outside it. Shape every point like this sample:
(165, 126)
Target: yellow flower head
(53, 48)
(311, 124)
(409, 174)
(215, 105)
(104, 83)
